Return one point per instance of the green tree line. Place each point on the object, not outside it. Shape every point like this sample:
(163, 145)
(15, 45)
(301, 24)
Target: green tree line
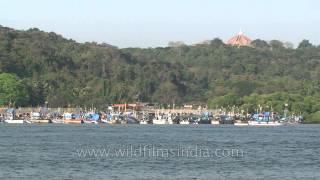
(38, 67)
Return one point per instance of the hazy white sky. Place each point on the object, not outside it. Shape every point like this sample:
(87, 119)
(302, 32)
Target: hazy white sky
(150, 23)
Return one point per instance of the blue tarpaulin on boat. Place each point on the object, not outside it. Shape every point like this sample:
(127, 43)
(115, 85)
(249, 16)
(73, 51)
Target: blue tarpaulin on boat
(92, 117)
(95, 117)
(76, 116)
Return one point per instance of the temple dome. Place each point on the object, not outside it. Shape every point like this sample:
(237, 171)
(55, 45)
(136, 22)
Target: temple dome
(239, 40)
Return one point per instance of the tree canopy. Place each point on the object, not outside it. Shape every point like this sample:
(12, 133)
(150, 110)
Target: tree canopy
(64, 72)
(12, 90)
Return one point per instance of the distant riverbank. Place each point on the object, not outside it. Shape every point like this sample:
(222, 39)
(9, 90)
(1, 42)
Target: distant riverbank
(307, 119)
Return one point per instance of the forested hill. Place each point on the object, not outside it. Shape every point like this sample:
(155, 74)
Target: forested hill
(37, 66)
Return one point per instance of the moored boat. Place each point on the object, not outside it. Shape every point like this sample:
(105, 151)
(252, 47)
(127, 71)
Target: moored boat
(264, 119)
(143, 122)
(40, 121)
(11, 118)
(240, 123)
(91, 118)
(215, 122)
(57, 120)
(72, 121)
(158, 120)
(226, 119)
(162, 119)
(264, 123)
(184, 121)
(69, 118)
(14, 121)
(36, 118)
(205, 118)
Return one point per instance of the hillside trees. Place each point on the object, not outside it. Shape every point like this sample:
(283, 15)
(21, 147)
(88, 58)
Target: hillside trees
(62, 72)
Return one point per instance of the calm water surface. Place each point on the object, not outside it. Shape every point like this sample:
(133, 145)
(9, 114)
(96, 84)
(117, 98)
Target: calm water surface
(128, 152)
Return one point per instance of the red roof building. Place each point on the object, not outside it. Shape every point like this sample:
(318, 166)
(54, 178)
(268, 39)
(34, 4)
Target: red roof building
(239, 40)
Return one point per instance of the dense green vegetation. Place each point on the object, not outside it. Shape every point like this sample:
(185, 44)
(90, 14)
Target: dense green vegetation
(12, 90)
(47, 67)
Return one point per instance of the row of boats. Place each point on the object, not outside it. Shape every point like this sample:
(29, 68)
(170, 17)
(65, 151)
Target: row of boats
(91, 117)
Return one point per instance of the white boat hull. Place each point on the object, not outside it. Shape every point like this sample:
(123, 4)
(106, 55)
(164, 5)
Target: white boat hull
(241, 124)
(57, 121)
(14, 121)
(143, 122)
(90, 122)
(184, 122)
(215, 122)
(105, 121)
(162, 121)
(259, 123)
(39, 121)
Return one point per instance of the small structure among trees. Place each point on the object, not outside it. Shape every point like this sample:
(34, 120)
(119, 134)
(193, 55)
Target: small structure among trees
(239, 40)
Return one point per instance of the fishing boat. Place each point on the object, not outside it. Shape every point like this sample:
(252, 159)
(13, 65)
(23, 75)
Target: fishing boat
(169, 119)
(91, 118)
(55, 117)
(292, 120)
(240, 123)
(265, 123)
(57, 120)
(215, 122)
(162, 119)
(70, 118)
(14, 121)
(143, 121)
(158, 120)
(226, 119)
(10, 117)
(112, 118)
(143, 118)
(36, 118)
(264, 119)
(194, 122)
(184, 121)
(205, 118)
(128, 119)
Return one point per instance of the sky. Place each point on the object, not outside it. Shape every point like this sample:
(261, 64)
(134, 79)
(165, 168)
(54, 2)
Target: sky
(153, 23)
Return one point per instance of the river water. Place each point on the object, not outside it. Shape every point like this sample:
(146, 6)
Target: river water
(159, 152)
